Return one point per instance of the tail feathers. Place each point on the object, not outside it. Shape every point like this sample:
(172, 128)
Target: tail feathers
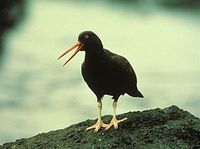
(136, 93)
(139, 94)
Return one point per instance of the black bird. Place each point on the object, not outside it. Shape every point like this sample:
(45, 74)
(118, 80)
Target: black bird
(105, 73)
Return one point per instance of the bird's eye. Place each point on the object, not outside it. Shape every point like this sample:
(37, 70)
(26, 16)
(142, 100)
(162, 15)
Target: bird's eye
(86, 36)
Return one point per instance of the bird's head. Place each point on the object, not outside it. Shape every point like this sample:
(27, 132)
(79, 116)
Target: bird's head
(87, 41)
(90, 41)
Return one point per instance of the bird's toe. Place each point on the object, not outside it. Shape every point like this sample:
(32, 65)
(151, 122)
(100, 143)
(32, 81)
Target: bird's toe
(97, 126)
(114, 122)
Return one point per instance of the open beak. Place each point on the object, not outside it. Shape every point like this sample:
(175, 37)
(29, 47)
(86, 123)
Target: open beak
(77, 45)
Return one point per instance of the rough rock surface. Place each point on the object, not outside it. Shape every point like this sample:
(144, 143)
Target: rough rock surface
(169, 128)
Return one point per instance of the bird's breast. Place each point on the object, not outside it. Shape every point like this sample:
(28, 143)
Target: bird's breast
(100, 78)
(94, 72)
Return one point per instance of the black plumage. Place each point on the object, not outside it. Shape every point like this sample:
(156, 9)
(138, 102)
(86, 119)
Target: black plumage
(105, 73)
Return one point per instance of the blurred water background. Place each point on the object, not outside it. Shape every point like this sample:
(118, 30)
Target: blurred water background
(160, 38)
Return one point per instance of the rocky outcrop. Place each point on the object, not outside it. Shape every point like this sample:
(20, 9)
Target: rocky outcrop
(158, 128)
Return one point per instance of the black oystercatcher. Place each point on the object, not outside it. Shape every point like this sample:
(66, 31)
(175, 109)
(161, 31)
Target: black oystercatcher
(105, 73)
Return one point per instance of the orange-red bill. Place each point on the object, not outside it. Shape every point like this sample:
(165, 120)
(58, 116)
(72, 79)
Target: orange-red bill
(77, 50)
(78, 44)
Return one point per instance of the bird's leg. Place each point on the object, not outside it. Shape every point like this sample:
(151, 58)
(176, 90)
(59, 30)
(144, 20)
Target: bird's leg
(114, 122)
(99, 122)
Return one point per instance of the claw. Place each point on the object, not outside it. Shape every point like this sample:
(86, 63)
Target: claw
(114, 122)
(97, 126)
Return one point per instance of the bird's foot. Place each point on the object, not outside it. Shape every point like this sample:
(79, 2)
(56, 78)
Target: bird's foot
(97, 126)
(114, 122)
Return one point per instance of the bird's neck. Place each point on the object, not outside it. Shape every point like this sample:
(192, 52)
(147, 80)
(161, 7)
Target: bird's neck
(94, 55)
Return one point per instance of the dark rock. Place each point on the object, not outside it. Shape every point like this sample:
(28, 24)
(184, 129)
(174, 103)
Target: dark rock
(11, 13)
(167, 128)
